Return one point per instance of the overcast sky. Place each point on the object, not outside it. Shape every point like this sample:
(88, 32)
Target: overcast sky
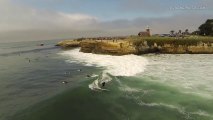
(23, 20)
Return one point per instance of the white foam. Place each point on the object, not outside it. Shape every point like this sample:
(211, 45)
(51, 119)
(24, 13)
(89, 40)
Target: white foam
(178, 108)
(95, 85)
(127, 65)
(94, 75)
(126, 88)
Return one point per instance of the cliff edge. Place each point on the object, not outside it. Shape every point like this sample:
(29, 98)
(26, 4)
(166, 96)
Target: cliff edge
(138, 45)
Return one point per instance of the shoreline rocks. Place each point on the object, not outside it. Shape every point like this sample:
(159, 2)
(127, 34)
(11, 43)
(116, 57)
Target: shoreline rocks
(69, 43)
(124, 47)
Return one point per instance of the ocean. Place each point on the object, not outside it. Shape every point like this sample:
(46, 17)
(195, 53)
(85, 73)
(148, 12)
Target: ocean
(49, 83)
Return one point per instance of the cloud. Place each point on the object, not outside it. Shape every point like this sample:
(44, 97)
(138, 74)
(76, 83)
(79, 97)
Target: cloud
(15, 17)
(145, 5)
(21, 22)
(159, 25)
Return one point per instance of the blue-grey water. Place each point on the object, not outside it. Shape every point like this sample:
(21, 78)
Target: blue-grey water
(147, 87)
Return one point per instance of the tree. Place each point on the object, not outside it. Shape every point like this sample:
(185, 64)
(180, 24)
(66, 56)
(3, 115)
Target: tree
(186, 32)
(172, 32)
(206, 28)
(197, 32)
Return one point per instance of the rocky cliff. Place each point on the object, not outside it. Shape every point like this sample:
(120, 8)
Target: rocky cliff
(123, 47)
(172, 48)
(107, 47)
(69, 43)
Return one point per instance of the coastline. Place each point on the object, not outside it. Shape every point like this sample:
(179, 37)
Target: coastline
(142, 45)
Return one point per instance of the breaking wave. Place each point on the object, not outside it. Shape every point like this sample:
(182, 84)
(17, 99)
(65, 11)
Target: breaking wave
(126, 65)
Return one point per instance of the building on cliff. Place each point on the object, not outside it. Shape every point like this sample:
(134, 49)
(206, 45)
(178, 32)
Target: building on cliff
(145, 33)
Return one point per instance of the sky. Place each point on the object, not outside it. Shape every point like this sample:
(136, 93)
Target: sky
(27, 20)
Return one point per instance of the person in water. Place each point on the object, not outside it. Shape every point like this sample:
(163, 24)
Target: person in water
(88, 76)
(103, 84)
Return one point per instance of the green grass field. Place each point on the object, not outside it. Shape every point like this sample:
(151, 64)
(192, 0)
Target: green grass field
(189, 40)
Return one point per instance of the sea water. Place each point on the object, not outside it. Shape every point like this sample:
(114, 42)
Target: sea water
(146, 87)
